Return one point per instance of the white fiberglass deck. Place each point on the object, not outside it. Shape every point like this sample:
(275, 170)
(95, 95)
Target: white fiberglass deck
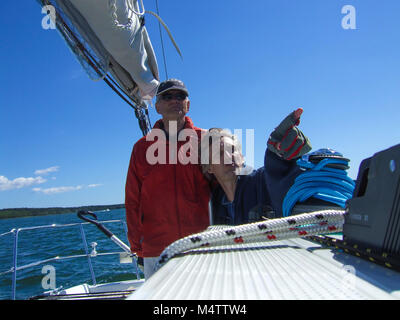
(286, 269)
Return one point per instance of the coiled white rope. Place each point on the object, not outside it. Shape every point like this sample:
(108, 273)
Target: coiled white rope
(307, 224)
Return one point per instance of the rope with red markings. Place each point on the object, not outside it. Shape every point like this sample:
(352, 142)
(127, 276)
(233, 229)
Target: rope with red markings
(302, 225)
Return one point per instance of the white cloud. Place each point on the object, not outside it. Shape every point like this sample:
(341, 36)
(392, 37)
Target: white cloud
(47, 170)
(94, 185)
(64, 189)
(57, 189)
(18, 183)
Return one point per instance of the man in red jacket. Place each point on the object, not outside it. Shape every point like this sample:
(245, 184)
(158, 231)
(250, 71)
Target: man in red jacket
(166, 194)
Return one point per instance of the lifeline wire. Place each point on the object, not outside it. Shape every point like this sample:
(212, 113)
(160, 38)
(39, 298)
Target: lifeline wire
(325, 221)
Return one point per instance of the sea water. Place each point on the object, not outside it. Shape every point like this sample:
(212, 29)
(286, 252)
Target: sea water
(47, 243)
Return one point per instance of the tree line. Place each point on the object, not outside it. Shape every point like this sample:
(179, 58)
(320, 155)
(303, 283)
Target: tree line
(32, 212)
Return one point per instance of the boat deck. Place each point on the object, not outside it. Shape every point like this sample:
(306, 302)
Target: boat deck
(286, 269)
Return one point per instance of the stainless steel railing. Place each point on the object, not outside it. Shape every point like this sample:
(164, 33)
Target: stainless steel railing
(89, 255)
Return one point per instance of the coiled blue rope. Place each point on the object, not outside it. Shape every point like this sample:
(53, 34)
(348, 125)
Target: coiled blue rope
(321, 182)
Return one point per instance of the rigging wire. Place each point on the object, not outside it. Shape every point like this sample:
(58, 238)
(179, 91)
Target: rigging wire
(162, 43)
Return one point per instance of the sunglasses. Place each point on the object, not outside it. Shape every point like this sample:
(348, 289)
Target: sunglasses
(169, 96)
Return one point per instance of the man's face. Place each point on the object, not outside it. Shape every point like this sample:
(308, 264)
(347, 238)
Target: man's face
(173, 104)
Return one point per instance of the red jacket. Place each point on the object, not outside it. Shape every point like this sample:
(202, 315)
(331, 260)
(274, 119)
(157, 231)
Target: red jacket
(164, 202)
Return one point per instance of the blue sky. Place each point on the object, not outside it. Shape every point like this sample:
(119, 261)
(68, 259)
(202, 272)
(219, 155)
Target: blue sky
(66, 140)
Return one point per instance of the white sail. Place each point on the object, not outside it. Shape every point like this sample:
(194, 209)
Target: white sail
(112, 31)
(117, 23)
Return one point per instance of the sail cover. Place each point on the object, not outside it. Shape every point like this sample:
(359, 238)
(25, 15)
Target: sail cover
(109, 38)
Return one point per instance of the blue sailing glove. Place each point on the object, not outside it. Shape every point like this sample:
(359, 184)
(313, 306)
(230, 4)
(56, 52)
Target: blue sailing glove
(287, 141)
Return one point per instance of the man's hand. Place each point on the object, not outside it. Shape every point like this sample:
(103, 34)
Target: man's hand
(287, 141)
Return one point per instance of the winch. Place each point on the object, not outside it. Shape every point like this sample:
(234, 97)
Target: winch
(372, 217)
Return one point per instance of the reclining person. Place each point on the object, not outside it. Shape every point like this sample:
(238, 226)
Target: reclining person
(235, 195)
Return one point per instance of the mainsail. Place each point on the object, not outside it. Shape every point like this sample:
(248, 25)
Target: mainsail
(109, 39)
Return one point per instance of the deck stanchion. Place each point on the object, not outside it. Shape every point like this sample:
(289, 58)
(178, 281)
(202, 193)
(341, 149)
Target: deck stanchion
(87, 254)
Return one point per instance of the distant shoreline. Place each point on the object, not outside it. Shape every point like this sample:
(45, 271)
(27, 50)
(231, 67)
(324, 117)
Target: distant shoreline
(35, 212)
